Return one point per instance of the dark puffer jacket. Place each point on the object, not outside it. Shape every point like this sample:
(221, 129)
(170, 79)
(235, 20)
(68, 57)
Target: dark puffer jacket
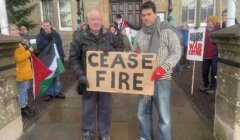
(86, 41)
(43, 39)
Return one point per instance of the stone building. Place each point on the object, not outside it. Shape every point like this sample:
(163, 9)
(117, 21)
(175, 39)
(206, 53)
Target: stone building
(63, 13)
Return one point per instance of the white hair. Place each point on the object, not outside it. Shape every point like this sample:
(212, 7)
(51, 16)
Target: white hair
(89, 14)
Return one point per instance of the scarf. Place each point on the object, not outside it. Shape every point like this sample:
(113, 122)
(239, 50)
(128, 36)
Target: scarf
(154, 30)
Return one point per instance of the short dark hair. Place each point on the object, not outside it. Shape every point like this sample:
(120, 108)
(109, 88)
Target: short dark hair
(118, 16)
(149, 5)
(47, 21)
(224, 11)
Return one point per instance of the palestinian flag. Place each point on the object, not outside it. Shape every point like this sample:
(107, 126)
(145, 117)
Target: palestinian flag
(40, 72)
(131, 33)
(43, 78)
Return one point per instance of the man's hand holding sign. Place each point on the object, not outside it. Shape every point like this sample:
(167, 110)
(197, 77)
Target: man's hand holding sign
(120, 72)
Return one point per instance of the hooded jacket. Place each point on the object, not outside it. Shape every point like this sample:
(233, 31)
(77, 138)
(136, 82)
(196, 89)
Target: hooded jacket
(23, 64)
(43, 39)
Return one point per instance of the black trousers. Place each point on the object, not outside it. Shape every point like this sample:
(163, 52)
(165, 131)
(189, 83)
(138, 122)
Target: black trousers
(207, 65)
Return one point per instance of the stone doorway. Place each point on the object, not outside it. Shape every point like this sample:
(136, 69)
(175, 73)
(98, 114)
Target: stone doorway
(129, 9)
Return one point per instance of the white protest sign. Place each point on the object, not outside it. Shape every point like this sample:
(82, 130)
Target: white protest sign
(196, 40)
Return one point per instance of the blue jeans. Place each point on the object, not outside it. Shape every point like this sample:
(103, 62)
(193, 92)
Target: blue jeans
(161, 100)
(54, 88)
(96, 107)
(22, 92)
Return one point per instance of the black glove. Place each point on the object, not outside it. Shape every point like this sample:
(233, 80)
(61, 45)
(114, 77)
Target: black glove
(83, 80)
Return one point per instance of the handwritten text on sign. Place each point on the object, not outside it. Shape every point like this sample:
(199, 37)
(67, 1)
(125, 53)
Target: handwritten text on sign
(196, 40)
(120, 72)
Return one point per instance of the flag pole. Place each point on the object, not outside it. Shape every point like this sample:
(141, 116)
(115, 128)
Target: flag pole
(33, 79)
(193, 76)
(197, 25)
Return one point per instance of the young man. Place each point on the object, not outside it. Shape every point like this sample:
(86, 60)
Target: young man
(96, 105)
(162, 39)
(46, 36)
(224, 19)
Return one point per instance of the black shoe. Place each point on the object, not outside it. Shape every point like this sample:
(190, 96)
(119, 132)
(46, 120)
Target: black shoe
(30, 110)
(26, 113)
(48, 98)
(60, 96)
(203, 89)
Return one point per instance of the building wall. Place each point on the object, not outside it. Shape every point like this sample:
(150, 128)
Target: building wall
(162, 6)
(11, 125)
(103, 7)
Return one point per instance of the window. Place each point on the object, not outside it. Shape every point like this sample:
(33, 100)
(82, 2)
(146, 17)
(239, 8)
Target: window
(47, 11)
(189, 6)
(65, 15)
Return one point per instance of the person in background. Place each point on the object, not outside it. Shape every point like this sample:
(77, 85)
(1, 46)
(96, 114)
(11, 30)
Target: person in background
(224, 19)
(47, 35)
(210, 56)
(112, 29)
(162, 39)
(24, 34)
(117, 36)
(183, 29)
(96, 105)
(22, 56)
(126, 42)
(119, 23)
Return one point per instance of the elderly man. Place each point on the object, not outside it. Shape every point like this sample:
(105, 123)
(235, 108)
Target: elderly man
(94, 38)
(162, 39)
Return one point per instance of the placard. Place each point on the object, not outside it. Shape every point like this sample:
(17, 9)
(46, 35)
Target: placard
(196, 40)
(120, 72)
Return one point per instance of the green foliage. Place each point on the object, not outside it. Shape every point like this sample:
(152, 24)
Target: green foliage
(19, 11)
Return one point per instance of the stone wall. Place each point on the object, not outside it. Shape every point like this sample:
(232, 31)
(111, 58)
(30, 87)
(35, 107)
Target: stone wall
(10, 117)
(227, 99)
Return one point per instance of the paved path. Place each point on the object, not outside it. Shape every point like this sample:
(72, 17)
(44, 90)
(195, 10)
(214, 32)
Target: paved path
(62, 119)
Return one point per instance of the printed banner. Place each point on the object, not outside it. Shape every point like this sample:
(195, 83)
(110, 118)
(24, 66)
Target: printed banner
(120, 72)
(196, 39)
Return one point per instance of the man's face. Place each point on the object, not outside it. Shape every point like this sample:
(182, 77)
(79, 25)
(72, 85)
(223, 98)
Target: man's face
(95, 22)
(224, 17)
(148, 17)
(47, 27)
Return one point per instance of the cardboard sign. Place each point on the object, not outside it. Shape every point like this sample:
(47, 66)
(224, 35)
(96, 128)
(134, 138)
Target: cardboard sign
(119, 72)
(196, 39)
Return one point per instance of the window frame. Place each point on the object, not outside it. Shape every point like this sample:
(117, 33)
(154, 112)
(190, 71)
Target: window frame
(202, 24)
(41, 10)
(59, 19)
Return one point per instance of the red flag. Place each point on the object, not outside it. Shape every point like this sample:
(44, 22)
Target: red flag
(40, 73)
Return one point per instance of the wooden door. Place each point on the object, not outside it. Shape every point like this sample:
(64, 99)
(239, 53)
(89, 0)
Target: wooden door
(130, 10)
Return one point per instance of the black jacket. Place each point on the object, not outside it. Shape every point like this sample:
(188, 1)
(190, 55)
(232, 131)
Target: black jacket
(43, 39)
(86, 41)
